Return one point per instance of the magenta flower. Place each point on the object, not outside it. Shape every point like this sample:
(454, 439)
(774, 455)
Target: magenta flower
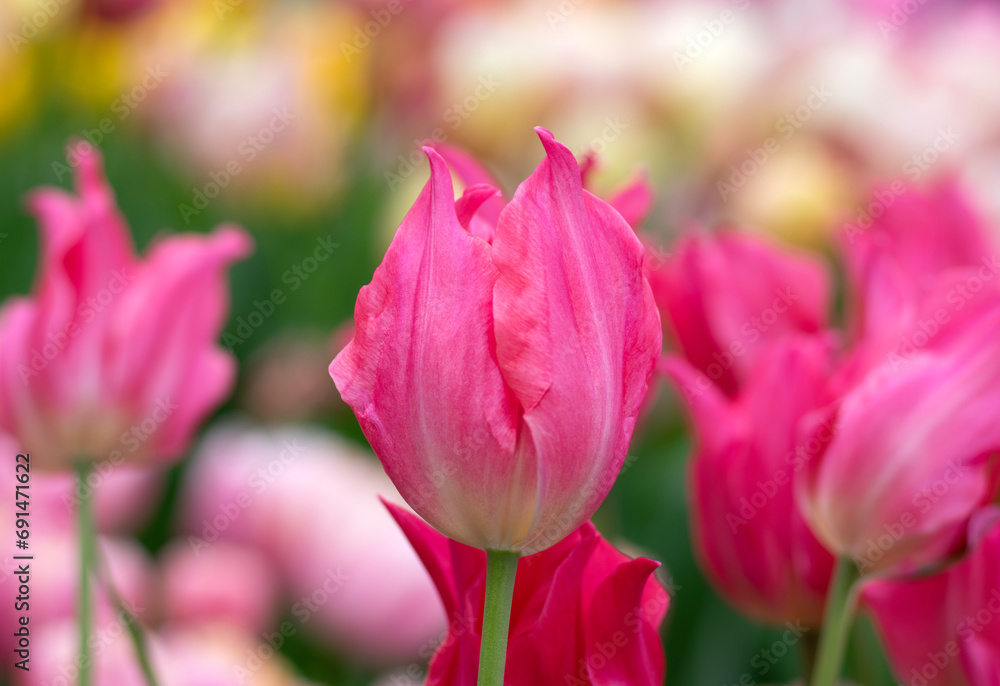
(725, 296)
(751, 539)
(113, 357)
(583, 613)
(498, 377)
(944, 629)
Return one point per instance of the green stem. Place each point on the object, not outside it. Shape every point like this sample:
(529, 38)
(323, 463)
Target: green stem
(839, 613)
(501, 568)
(132, 624)
(85, 521)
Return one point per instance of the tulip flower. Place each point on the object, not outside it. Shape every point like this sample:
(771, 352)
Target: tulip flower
(225, 583)
(499, 377)
(751, 539)
(113, 357)
(944, 629)
(583, 613)
(725, 296)
(911, 457)
(308, 500)
(498, 381)
(924, 232)
(919, 239)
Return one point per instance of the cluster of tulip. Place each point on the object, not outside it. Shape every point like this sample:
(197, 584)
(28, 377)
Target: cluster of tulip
(499, 364)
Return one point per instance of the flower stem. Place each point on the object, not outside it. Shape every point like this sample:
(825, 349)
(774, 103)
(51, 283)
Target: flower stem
(501, 568)
(85, 522)
(133, 625)
(837, 618)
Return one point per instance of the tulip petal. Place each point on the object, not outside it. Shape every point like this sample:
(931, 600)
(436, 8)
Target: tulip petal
(422, 377)
(636, 663)
(577, 334)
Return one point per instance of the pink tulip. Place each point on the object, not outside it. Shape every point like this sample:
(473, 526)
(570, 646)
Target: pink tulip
(124, 497)
(725, 296)
(750, 537)
(944, 629)
(225, 582)
(583, 613)
(180, 656)
(309, 500)
(113, 358)
(924, 260)
(499, 381)
(911, 456)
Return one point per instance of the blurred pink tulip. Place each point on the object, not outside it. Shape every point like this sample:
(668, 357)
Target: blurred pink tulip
(499, 381)
(944, 629)
(911, 456)
(180, 656)
(751, 539)
(113, 358)
(582, 613)
(55, 588)
(124, 496)
(911, 238)
(224, 582)
(725, 296)
(310, 501)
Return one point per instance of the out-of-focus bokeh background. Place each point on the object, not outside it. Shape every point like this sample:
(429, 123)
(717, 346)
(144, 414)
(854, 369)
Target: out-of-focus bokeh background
(301, 120)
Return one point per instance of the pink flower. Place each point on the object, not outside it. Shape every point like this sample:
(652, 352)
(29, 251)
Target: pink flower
(113, 357)
(309, 500)
(499, 378)
(583, 613)
(912, 453)
(224, 583)
(180, 655)
(916, 237)
(944, 629)
(724, 296)
(751, 539)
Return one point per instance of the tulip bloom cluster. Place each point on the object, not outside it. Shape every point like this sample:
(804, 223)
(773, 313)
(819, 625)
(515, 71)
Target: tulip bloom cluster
(877, 446)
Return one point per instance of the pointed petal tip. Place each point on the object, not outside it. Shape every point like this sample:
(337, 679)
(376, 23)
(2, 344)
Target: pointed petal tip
(232, 240)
